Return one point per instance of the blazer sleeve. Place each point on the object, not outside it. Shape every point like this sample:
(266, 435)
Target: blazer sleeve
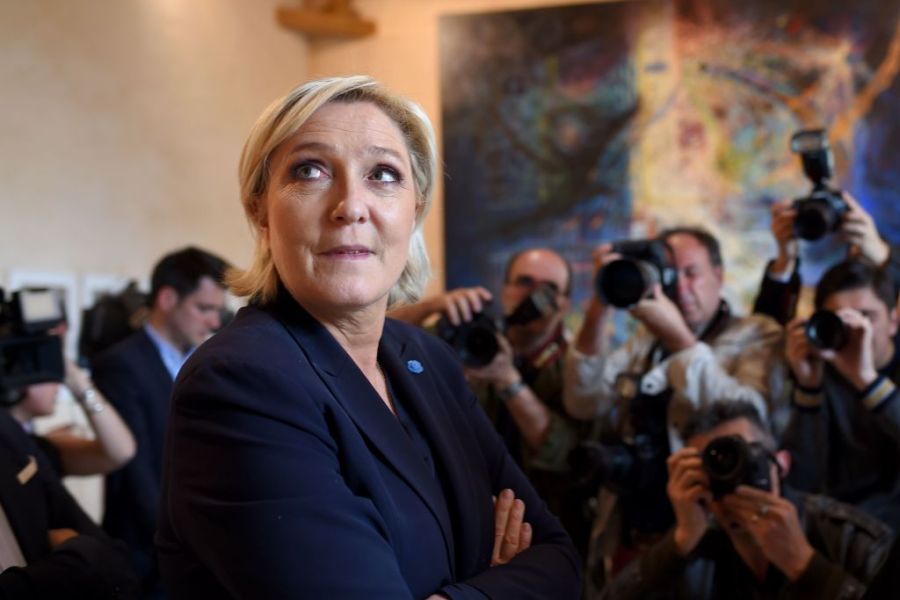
(260, 497)
(550, 568)
(778, 299)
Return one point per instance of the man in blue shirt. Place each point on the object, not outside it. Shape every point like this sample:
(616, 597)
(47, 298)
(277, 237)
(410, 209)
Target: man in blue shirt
(136, 376)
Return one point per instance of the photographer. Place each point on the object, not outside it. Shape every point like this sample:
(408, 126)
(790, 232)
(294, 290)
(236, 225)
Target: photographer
(688, 352)
(780, 287)
(70, 454)
(845, 420)
(520, 388)
(741, 540)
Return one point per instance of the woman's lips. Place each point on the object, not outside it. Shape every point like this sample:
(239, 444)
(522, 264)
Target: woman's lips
(349, 252)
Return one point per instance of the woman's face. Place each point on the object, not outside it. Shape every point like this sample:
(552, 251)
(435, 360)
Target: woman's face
(340, 209)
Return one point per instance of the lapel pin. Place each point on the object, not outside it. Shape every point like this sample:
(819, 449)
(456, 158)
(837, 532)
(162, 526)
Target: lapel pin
(414, 366)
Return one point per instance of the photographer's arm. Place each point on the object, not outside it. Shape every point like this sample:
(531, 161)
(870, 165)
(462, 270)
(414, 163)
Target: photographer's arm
(780, 286)
(113, 445)
(738, 365)
(532, 416)
(459, 305)
(806, 432)
(661, 567)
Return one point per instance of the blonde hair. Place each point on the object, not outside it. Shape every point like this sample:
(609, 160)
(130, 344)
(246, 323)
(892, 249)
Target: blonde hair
(280, 121)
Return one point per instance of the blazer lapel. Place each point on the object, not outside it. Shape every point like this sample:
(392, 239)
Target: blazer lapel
(351, 389)
(451, 444)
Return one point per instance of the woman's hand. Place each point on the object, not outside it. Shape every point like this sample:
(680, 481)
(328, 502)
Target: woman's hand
(511, 533)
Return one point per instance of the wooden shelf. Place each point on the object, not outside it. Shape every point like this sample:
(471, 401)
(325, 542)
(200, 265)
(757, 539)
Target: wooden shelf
(323, 23)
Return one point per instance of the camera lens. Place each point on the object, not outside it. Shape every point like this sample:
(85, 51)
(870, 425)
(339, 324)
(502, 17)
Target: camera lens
(475, 341)
(725, 461)
(818, 215)
(479, 348)
(622, 283)
(723, 457)
(825, 330)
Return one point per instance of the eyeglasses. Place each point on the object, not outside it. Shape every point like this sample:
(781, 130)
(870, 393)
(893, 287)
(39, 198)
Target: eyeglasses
(529, 282)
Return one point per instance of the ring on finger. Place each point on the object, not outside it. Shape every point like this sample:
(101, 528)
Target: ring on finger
(763, 510)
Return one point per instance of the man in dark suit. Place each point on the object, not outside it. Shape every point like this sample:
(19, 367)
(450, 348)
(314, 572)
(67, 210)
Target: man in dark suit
(49, 548)
(136, 375)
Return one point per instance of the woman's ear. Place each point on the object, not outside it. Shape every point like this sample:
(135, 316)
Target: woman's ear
(260, 212)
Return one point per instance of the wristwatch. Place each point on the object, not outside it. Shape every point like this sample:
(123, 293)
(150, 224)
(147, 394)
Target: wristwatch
(91, 401)
(511, 391)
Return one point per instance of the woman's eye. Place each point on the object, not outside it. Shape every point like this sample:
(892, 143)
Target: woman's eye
(385, 175)
(308, 171)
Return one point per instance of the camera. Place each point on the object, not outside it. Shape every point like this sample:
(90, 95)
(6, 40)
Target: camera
(730, 461)
(825, 330)
(28, 353)
(475, 341)
(624, 282)
(633, 464)
(822, 211)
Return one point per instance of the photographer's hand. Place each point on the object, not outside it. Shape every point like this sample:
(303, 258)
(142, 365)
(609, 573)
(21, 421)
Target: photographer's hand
(855, 360)
(530, 414)
(663, 319)
(458, 304)
(688, 489)
(590, 337)
(501, 371)
(783, 214)
(858, 229)
(801, 356)
(774, 525)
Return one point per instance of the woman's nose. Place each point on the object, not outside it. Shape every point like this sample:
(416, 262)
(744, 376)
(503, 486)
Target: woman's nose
(350, 203)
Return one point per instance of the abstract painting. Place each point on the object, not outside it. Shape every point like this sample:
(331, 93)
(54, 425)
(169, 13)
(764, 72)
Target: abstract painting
(571, 126)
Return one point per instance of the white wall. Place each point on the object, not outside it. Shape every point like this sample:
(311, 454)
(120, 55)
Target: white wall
(122, 125)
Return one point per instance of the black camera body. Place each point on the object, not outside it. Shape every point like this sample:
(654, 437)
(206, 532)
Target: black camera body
(475, 341)
(826, 331)
(28, 353)
(823, 210)
(624, 282)
(730, 461)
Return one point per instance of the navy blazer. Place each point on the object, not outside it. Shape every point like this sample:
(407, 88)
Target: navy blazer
(132, 376)
(89, 565)
(285, 475)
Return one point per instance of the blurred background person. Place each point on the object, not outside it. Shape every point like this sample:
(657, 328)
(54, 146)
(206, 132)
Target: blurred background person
(741, 533)
(136, 375)
(689, 351)
(781, 285)
(69, 453)
(845, 420)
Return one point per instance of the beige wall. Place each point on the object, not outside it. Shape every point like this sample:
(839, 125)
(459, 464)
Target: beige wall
(404, 54)
(122, 124)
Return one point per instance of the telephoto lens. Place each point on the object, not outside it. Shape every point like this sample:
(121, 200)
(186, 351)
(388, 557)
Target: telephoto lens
(622, 283)
(825, 330)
